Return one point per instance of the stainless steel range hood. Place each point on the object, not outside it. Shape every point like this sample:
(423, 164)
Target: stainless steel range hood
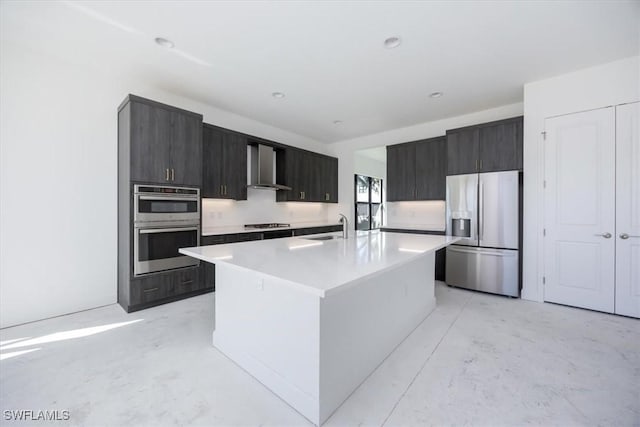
(263, 161)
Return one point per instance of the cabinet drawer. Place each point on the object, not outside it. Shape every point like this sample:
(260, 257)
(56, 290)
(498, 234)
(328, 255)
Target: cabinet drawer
(242, 237)
(152, 288)
(187, 280)
(159, 286)
(212, 240)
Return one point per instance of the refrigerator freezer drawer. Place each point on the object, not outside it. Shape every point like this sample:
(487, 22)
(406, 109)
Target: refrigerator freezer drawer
(482, 269)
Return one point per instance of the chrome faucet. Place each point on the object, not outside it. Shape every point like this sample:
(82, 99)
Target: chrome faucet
(345, 226)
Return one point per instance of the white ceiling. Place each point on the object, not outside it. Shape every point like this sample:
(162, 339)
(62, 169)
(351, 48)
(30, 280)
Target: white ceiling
(328, 57)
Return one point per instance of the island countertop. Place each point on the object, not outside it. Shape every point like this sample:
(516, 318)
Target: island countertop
(322, 267)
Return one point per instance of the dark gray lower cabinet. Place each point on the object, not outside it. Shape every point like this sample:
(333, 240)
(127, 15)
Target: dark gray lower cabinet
(160, 288)
(441, 255)
(316, 230)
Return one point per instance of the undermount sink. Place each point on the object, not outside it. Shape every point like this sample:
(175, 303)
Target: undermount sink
(323, 238)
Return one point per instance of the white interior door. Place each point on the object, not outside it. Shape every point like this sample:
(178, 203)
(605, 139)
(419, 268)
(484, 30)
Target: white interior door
(579, 243)
(628, 210)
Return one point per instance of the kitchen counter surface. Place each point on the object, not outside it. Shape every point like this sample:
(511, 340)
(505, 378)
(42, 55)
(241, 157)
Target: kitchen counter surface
(323, 267)
(233, 229)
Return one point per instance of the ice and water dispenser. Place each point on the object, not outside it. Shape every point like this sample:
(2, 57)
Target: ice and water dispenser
(461, 227)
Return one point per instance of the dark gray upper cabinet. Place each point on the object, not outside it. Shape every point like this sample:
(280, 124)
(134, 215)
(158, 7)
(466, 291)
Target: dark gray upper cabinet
(501, 146)
(417, 170)
(431, 169)
(224, 164)
(487, 147)
(462, 151)
(401, 172)
(186, 158)
(165, 143)
(329, 191)
(312, 177)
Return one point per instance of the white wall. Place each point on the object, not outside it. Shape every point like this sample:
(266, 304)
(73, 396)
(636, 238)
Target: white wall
(608, 84)
(58, 181)
(346, 151)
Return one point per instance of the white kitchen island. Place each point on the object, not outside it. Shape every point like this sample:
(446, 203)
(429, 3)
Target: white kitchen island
(311, 319)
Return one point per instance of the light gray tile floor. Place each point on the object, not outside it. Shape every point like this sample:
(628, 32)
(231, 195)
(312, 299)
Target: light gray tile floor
(478, 359)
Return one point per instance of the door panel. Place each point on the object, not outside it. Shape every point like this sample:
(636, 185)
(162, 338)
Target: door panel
(462, 203)
(498, 210)
(579, 208)
(628, 210)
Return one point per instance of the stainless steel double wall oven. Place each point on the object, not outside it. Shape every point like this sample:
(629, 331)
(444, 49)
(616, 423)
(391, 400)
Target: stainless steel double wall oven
(165, 220)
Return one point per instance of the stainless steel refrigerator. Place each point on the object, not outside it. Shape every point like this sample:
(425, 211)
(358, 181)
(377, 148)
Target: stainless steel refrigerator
(484, 209)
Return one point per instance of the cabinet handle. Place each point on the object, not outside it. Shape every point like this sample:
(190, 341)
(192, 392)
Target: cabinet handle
(303, 195)
(477, 163)
(166, 174)
(327, 196)
(188, 282)
(149, 290)
(173, 174)
(225, 190)
(221, 191)
(480, 164)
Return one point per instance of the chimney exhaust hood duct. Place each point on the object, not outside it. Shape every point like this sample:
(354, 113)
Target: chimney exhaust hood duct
(262, 169)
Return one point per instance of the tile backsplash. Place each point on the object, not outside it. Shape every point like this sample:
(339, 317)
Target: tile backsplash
(260, 207)
(430, 214)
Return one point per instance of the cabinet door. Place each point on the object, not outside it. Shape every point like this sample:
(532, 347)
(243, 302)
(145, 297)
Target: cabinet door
(331, 180)
(186, 149)
(188, 280)
(316, 178)
(462, 152)
(501, 146)
(431, 169)
(627, 235)
(401, 172)
(209, 272)
(234, 166)
(211, 162)
(297, 167)
(150, 143)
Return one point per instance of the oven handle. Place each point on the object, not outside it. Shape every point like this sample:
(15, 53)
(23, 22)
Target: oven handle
(167, 197)
(166, 230)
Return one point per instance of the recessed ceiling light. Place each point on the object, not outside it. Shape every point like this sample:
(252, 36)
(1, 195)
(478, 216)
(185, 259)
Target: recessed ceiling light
(164, 42)
(435, 95)
(392, 42)
(337, 122)
(277, 95)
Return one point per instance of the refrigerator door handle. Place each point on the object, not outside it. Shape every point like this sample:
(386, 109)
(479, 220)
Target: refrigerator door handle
(483, 251)
(480, 211)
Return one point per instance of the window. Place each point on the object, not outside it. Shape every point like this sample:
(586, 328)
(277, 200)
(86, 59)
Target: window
(368, 195)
